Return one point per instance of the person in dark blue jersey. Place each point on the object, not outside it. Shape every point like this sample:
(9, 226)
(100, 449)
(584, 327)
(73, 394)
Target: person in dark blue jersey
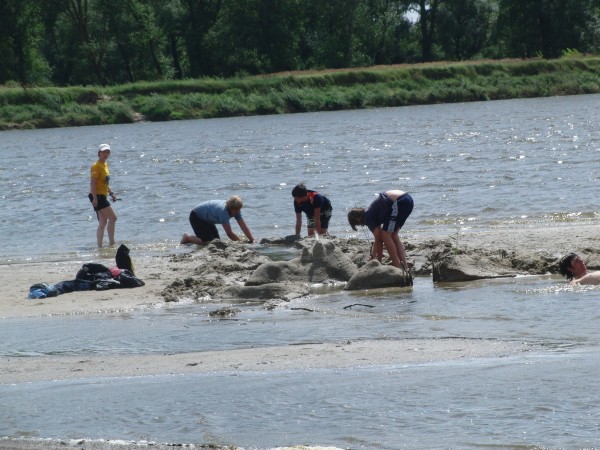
(384, 217)
(317, 208)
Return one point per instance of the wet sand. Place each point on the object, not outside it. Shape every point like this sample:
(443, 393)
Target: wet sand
(175, 277)
(169, 278)
(199, 274)
(291, 357)
(17, 278)
(82, 444)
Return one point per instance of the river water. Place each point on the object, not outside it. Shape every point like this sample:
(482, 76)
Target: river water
(491, 164)
(477, 166)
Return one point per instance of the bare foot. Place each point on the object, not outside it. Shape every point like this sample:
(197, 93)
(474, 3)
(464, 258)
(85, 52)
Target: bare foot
(185, 239)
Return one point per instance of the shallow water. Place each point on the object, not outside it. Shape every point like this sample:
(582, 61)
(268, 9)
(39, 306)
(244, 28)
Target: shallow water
(501, 403)
(476, 165)
(521, 163)
(544, 397)
(496, 309)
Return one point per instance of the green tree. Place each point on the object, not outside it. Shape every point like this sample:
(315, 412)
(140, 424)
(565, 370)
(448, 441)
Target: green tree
(197, 18)
(382, 31)
(428, 17)
(591, 35)
(256, 36)
(92, 46)
(330, 32)
(59, 44)
(21, 30)
(530, 28)
(134, 44)
(169, 17)
(104, 42)
(464, 27)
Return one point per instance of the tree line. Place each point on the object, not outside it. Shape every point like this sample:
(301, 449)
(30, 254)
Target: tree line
(108, 42)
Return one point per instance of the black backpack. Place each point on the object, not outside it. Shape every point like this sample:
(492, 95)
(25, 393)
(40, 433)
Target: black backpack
(123, 259)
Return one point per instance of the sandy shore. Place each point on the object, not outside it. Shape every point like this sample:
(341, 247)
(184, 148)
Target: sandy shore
(17, 278)
(195, 273)
(82, 444)
(199, 274)
(159, 273)
(281, 358)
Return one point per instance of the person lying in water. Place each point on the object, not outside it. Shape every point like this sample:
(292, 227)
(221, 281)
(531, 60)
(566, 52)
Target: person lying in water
(573, 267)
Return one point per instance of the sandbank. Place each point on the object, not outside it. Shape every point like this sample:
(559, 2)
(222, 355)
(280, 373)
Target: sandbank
(84, 444)
(527, 250)
(266, 359)
(198, 273)
(195, 275)
(17, 278)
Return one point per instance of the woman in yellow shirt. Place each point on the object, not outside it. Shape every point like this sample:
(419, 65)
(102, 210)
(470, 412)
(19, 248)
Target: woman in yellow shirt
(99, 192)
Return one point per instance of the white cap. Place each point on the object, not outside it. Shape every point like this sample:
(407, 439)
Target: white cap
(104, 147)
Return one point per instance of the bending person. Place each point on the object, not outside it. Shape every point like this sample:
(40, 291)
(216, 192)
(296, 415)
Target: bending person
(317, 208)
(573, 267)
(384, 217)
(206, 215)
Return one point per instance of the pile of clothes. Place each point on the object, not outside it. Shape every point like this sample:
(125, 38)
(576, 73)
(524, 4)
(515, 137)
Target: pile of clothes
(92, 277)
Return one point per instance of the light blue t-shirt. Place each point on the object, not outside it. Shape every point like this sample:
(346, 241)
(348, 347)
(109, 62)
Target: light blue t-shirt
(214, 211)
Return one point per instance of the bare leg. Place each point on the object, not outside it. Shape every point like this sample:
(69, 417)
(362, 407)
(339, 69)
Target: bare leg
(400, 250)
(390, 245)
(112, 221)
(106, 220)
(379, 250)
(100, 230)
(189, 239)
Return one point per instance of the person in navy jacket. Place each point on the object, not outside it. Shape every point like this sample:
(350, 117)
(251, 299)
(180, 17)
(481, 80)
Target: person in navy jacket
(384, 217)
(317, 208)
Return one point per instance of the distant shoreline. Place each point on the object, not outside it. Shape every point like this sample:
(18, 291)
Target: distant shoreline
(26, 107)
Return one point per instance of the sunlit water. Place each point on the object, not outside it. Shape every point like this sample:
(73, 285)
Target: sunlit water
(522, 163)
(492, 164)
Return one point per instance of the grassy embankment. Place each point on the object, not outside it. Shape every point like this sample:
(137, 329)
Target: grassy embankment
(420, 84)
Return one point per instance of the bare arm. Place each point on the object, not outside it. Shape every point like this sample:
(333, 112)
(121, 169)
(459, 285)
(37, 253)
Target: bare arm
(230, 234)
(590, 278)
(93, 191)
(246, 230)
(298, 223)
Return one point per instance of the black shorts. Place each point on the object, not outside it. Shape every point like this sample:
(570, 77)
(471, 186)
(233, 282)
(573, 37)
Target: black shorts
(102, 202)
(202, 229)
(325, 216)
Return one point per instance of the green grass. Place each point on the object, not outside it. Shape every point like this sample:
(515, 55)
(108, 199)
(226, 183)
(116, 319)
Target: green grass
(42, 107)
